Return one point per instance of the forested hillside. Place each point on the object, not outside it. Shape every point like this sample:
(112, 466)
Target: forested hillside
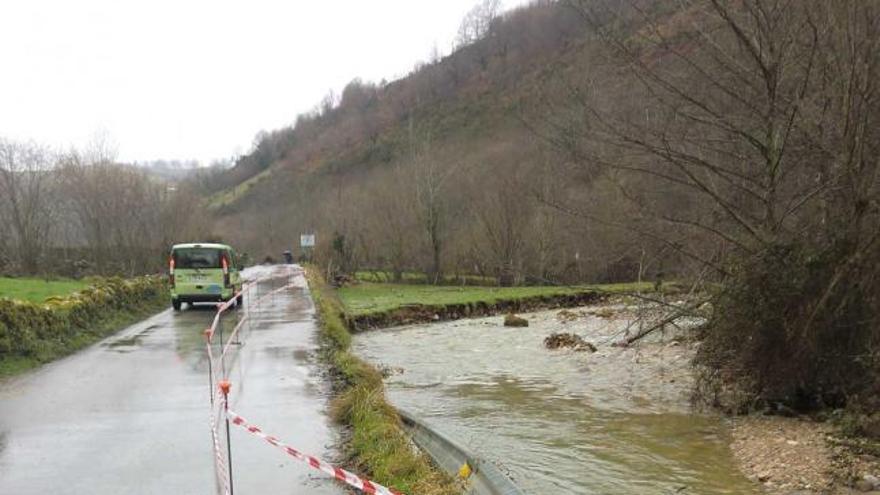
(437, 172)
(731, 144)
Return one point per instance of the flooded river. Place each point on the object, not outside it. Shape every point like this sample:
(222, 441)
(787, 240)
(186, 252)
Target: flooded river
(615, 421)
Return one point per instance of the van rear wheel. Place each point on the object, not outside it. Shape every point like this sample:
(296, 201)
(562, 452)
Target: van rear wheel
(176, 304)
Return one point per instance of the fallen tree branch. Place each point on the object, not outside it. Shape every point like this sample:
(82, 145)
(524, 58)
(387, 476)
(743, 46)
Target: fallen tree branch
(685, 311)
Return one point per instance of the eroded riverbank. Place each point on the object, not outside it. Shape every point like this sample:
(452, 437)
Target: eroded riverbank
(614, 421)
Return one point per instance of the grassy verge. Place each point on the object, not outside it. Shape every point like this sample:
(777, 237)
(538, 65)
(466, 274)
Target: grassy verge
(38, 290)
(33, 334)
(378, 443)
(366, 298)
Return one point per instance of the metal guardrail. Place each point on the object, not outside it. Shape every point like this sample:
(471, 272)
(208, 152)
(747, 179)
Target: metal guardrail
(486, 478)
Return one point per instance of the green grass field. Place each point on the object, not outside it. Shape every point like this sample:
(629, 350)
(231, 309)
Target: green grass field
(365, 298)
(37, 290)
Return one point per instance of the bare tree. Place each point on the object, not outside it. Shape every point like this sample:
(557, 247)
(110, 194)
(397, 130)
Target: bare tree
(431, 180)
(752, 123)
(738, 110)
(504, 210)
(83, 177)
(393, 221)
(26, 191)
(478, 21)
(127, 218)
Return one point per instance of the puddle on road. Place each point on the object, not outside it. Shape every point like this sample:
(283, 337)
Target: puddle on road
(616, 421)
(303, 355)
(297, 354)
(130, 343)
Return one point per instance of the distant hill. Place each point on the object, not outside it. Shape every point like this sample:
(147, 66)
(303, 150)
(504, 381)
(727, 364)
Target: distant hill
(170, 170)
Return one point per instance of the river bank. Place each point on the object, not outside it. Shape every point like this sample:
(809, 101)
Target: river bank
(381, 305)
(799, 455)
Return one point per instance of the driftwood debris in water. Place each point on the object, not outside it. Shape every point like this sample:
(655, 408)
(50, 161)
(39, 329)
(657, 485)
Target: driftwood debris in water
(678, 313)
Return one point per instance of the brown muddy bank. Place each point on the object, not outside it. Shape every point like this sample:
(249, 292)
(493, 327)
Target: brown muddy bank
(426, 313)
(804, 456)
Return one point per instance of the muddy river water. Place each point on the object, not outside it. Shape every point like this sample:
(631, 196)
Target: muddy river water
(615, 421)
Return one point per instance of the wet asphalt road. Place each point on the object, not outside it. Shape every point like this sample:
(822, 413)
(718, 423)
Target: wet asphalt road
(131, 413)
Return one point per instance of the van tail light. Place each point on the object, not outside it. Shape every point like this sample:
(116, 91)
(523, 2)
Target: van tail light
(225, 263)
(171, 271)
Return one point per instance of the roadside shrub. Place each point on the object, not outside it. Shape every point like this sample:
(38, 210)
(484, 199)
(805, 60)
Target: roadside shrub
(795, 327)
(15, 338)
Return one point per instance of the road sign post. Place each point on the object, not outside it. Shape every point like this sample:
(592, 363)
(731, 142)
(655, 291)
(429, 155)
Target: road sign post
(307, 244)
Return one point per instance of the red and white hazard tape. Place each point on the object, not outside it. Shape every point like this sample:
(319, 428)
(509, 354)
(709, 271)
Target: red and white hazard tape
(270, 293)
(352, 479)
(219, 461)
(232, 336)
(245, 287)
(215, 375)
(241, 322)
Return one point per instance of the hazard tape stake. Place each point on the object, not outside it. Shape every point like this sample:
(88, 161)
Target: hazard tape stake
(340, 474)
(224, 389)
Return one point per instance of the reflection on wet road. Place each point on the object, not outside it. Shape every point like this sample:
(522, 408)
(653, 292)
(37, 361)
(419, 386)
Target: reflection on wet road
(130, 414)
(613, 422)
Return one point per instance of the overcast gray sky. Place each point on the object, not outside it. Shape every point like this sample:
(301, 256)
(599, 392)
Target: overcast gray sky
(180, 79)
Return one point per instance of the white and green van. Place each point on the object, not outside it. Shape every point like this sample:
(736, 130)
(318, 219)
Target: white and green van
(203, 273)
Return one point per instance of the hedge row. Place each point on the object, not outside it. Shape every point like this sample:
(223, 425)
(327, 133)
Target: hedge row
(61, 324)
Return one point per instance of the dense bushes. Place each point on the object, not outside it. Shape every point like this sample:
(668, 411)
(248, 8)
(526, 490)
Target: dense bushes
(797, 327)
(40, 332)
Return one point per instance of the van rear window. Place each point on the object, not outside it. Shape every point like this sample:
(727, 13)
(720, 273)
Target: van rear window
(197, 258)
